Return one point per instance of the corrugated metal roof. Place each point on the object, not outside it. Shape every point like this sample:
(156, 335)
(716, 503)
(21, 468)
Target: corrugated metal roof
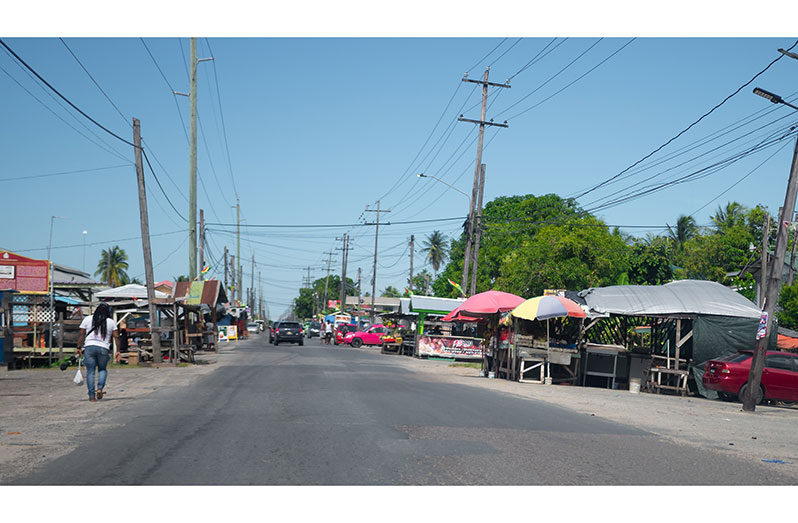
(685, 297)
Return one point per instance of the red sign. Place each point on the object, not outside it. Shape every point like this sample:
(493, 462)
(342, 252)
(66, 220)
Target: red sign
(25, 275)
(333, 303)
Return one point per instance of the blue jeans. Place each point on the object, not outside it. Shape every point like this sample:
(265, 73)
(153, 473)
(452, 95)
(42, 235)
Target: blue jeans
(97, 357)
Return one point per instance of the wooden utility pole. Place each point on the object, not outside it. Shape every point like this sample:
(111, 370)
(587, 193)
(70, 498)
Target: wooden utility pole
(155, 333)
(225, 271)
(773, 286)
(251, 300)
(478, 231)
(359, 298)
(374, 273)
(764, 260)
(233, 277)
(238, 249)
(344, 262)
(327, 280)
(477, 167)
(192, 183)
(412, 250)
(202, 243)
(792, 255)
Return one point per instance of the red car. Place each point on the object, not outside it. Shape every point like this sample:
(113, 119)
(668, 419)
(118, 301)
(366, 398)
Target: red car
(370, 336)
(342, 331)
(729, 376)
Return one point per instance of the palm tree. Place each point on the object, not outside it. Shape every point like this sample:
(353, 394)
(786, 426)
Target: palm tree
(732, 215)
(112, 266)
(435, 247)
(686, 228)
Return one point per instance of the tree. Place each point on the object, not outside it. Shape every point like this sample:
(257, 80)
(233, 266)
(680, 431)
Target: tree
(113, 266)
(649, 262)
(787, 313)
(725, 218)
(686, 229)
(391, 292)
(435, 247)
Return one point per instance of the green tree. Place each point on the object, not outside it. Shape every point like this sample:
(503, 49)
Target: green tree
(787, 314)
(113, 266)
(435, 247)
(391, 292)
(731, 215)
(684, 230)
(579, 254)
(649, 262)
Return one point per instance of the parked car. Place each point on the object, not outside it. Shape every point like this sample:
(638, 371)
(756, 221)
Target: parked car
(312, 329)
(729, 376)
(271, 332)
(253, 327)
(370, 336)
(288, 331)
(342, 330)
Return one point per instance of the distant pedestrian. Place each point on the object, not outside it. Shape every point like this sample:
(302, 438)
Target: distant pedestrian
(322, 331)
(96, 332)
(328, 333)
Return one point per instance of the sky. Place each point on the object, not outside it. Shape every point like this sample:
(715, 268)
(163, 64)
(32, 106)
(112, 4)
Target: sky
(308, 125)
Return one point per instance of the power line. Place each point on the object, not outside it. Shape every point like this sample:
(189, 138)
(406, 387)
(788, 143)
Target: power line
(757, 75)
(63, 173)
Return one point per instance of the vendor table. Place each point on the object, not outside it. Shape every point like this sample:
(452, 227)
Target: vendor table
(597, 356)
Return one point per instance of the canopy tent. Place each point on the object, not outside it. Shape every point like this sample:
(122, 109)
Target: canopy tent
(723, 321)
(483, 305)
(683, 297)
(130, 291)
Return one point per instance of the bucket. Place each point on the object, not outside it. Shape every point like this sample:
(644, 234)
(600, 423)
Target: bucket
(634, 385)
(491, 375)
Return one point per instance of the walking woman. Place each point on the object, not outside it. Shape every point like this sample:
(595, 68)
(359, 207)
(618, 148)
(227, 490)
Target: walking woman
(96, 332)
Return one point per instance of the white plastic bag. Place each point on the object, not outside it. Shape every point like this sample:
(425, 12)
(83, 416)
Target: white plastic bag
(78, 376)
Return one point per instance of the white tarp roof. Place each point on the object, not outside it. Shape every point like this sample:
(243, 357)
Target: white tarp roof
(431, 303)
(132, 290)
(691, 297)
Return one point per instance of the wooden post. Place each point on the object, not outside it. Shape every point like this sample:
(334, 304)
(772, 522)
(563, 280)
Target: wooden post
(478, 231)
(60, 336)
(155, 334)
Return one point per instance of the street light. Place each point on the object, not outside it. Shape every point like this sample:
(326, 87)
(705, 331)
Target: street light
(774, 273)
(422, 175)
(85, 232)
(776, 99)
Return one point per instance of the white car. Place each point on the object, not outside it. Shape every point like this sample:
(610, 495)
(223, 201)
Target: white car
(253, 327)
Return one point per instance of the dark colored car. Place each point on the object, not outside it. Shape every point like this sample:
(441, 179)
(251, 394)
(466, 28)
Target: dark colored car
(313, 329)
(729, 376)
(290, 331)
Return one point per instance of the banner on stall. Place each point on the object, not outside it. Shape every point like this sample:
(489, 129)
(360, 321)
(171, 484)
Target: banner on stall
(228, 332)
(450, 347)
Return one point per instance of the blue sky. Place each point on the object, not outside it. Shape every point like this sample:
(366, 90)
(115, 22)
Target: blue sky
(312, 130)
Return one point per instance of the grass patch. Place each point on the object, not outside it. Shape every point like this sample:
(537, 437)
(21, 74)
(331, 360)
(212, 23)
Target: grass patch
(469, 365)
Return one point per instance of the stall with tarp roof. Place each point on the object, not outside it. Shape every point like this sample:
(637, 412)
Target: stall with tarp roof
(204, 305)
(417, 329)
(679, 326)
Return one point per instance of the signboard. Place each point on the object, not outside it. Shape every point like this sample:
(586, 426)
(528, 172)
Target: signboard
(22, 274)
(227, 332)
(450, 347)
(554, 292)
(333, 304)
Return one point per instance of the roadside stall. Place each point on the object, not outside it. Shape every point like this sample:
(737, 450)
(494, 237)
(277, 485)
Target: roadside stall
(484, 309)
(542, 336)
(203, 302)
(659, 337)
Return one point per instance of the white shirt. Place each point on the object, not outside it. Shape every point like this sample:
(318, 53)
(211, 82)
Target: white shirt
(95, 337)
(323, 328)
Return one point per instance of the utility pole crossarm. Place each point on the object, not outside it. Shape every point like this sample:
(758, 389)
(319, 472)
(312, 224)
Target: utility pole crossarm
(461, 119)
(482, 82)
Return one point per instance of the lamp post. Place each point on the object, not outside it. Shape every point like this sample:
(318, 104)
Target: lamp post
(774, 273)
(85, 232)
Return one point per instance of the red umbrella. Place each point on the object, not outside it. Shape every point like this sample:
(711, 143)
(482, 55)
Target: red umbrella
(484, 304)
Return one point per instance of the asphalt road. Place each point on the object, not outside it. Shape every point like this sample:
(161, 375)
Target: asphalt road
(327, 415)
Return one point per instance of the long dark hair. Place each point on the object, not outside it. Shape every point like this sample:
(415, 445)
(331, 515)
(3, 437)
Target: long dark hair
(99, 320)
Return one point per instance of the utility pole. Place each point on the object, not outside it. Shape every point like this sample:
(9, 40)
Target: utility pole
(477, 167)
(250, 302)
(327, 281)
(412, 250)
(192, 175)
(155, 333)
(478, 230)
(202, 243)
(764, 260)
(773, 286)
(359, 299)
(233, 276)
(374, 273)
(225, 271)
(792, 255)
(238, 248)
(345, 259)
